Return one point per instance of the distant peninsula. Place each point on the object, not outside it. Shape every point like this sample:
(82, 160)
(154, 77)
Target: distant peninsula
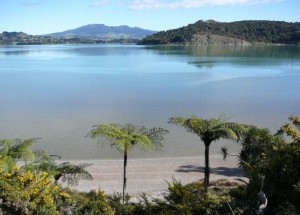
(89, 34)
(211, 32)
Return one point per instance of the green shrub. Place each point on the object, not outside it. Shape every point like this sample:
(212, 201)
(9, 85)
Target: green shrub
(92, 203)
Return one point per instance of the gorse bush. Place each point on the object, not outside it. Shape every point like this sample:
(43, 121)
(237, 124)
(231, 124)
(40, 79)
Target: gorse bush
(34, 190)
(26, 192)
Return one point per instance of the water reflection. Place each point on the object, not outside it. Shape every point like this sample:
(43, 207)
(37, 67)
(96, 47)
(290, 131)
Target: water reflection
(252, 62)
(69, 50)
(289, 52)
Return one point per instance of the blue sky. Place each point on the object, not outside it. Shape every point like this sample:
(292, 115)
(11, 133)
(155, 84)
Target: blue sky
(48, 16)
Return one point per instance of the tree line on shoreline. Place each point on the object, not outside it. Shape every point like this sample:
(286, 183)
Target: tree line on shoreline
(20, 38)
(271, 162)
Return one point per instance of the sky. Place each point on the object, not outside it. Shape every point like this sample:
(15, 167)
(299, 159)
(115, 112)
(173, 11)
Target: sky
(48, 16)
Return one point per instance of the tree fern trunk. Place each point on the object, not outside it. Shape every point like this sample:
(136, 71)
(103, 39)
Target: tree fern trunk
(124, 176)
(207, 170)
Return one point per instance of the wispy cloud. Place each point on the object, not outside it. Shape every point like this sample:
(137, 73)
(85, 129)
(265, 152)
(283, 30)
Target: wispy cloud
(157, 4)
(101, 3)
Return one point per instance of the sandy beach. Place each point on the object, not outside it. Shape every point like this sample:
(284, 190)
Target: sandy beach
(151, 175)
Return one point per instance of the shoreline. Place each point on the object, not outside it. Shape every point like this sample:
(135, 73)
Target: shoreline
(151, 176)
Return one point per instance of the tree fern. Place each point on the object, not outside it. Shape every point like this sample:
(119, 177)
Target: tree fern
(125, 137)
(210, 130)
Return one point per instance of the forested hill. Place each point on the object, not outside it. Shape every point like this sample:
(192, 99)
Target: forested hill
(229, 33)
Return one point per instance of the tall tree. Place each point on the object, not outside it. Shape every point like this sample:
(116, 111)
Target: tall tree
(210, 130)
(125, 137)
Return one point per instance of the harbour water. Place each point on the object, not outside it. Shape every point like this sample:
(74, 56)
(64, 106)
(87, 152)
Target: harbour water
(58, 92)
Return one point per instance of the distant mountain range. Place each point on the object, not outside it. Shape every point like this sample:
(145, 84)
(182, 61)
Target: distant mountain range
(211, 32)
(101, 31)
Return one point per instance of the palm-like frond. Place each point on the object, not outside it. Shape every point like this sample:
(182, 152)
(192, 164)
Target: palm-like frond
(239, 129)
(125, 137)
(156, 135)
(41, 165)
(20, 149)
(13, 150)
(108, 130)
(211, 129)
(5, 145)
(224, 133)
(142, 141)
(122, 144)
(7, 163)
(193, 125)
(72, 173)
(67, 172)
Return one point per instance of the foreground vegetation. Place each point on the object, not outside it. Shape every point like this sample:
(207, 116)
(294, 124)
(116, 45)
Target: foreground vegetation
(270, 161)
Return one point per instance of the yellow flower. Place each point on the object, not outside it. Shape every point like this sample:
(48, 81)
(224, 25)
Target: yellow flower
(21, 178)
(65, 195)
(16, 168)
(32, 205)
(48, 200)
(55, 188)
(44, 174)
(7, 175)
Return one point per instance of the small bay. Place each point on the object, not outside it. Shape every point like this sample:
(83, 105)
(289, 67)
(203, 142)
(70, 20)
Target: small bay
(58, 92)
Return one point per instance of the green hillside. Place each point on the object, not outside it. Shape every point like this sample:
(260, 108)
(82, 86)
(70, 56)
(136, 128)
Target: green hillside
(240, 32)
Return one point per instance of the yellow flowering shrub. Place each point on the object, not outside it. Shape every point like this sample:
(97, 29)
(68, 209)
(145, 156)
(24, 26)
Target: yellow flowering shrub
(292, 129)
(32, 190)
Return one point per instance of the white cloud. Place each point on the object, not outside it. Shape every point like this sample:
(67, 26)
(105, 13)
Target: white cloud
(101, 3)
(157, 4)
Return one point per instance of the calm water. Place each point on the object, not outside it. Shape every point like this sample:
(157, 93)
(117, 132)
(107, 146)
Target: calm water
(58, 93)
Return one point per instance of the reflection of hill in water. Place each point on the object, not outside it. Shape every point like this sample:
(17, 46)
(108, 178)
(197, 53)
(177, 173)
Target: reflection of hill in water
(84, 50)
(230, 51)
(247, 62)
(210, 56)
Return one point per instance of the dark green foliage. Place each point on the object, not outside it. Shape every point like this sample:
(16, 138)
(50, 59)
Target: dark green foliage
(251, 31)
(241, 202)
(180, 199)
(116, 202)
(272, 164)
(192, 199)
(92, 203)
